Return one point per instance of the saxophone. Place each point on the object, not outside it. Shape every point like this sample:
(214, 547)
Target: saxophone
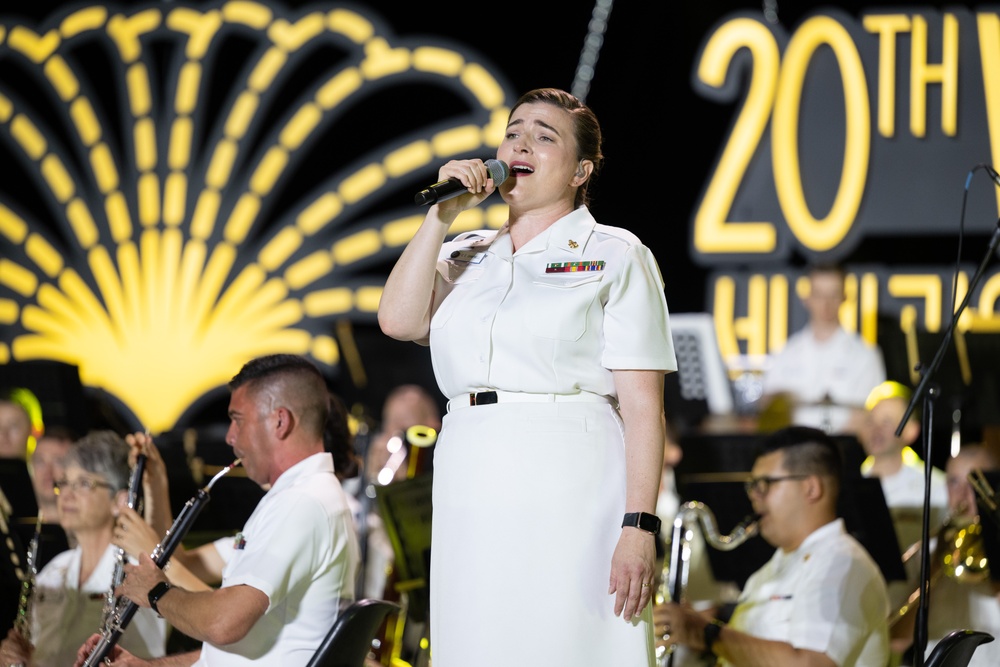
(673, 580)
(133, 500)
(125, 609)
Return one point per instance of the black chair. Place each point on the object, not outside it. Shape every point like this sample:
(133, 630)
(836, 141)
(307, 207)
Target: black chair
(350, 638)
(956, 649)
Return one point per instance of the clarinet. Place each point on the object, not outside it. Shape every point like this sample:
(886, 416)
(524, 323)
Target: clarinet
(22, 622)
(125, 609)
(133, 500)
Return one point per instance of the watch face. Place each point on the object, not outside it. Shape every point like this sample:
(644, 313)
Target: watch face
(649, 522)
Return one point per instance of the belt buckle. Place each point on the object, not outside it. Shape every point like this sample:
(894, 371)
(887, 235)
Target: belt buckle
(483, 398)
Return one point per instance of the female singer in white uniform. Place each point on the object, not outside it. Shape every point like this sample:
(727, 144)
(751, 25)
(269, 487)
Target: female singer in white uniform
(551, 339)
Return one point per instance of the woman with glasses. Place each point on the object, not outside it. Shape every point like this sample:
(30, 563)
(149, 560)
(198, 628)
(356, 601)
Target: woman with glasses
(68, 603)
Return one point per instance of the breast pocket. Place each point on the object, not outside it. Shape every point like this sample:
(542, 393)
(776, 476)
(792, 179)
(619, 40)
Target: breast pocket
(460, 284)
(561, 306)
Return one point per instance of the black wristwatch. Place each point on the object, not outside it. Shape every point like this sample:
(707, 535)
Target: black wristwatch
(157, 592)
(711, 634)
(643, 521)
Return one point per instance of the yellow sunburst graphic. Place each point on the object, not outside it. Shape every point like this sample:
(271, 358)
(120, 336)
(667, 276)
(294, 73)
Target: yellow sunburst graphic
(198, 185)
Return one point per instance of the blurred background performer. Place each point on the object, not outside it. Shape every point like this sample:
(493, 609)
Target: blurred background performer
(823, 372)
(550, 337)
(961, 597)
(70, 591)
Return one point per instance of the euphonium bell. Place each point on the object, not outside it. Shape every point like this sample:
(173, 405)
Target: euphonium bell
(960, 554)
(961, 551)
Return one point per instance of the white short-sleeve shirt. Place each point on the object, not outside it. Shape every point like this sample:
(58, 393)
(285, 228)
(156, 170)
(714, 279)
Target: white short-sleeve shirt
(299, 547)
(842, 369)
(827, 596)
(576, 302)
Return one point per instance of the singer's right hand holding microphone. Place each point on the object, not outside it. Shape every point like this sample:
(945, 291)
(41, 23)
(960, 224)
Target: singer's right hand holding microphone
(474, 175)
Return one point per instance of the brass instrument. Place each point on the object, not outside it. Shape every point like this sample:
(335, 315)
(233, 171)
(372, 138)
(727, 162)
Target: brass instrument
(960, 553)
(126, 609)
(673, 580)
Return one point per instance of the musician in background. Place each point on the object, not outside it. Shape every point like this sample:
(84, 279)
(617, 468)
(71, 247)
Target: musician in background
(821, 599)
(405, 405)
(46, 466)
(20, 422)
(823, 371)
(968, 600)
(297, 555)
(68, 604)
(900, 470)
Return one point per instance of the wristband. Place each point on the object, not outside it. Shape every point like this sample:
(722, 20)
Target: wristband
(157, 592)
(711, 634)
(644, 521)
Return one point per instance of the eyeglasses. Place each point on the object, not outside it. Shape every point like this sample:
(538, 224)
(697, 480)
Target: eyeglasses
(77, 486)
(761, 485)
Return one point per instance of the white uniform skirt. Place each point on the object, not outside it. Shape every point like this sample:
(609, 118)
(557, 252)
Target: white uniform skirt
(527, 507)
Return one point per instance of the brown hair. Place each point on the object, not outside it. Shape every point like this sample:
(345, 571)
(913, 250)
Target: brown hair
(586, 129)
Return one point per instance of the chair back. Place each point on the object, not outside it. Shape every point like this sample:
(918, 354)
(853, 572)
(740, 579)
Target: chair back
(350, 638)
(956, 649)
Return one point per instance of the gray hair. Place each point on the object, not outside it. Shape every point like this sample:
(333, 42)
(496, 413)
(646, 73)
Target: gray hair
(102, 453)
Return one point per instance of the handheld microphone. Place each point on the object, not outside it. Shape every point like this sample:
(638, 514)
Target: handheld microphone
(452, 187)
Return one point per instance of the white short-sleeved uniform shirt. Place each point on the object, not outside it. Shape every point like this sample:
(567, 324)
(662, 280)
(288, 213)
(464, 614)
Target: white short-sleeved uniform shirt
(65, 614)
(827, 596)
(904, 496)
(299, 547)
(843, 368)
(577, 300)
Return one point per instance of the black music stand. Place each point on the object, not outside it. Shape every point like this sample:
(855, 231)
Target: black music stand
(405, 507)
(713, 470)
(736, 452)
(861, 504)
(15, 480)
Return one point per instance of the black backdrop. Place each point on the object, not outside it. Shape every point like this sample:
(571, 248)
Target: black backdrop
(661, 139)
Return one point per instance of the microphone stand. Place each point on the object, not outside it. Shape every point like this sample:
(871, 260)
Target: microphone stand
(925, 391)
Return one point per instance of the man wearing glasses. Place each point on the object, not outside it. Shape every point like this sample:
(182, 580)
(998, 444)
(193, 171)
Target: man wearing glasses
(821, 599)
(68, 603)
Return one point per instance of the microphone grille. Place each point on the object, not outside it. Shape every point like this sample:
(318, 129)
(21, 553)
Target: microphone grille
(499, 171)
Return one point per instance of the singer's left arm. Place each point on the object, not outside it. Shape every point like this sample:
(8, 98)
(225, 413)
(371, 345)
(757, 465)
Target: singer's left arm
(640, 397)
(219, 617)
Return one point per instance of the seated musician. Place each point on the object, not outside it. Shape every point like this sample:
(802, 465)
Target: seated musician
(70, 593)
(961, 598)
(821, 599)
(296, 557)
